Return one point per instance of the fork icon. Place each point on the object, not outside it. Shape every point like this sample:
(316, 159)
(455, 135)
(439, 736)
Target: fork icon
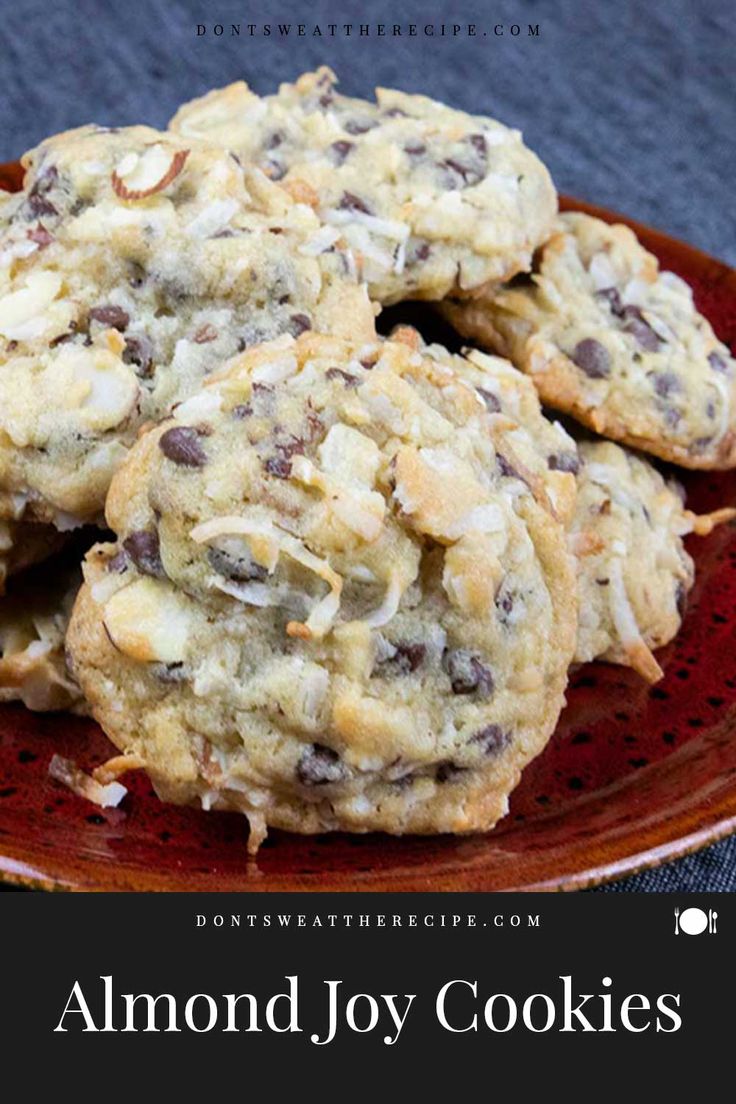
(677, 920)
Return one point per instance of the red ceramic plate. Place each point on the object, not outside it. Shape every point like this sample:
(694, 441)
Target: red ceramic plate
(634, 775)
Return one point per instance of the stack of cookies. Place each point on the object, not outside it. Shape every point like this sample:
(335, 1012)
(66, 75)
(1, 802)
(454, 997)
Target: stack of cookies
(336, 580)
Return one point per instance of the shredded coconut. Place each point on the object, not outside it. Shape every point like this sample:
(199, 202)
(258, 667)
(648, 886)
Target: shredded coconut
(84, 785)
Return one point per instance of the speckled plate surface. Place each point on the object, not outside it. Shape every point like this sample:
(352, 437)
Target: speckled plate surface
(634, 775)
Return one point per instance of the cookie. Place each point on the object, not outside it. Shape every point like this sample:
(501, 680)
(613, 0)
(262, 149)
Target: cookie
(634, 571)
(432, 200)
(540, 451)
(618, 344)
(132, 263)
(34, 615)
(331, 605)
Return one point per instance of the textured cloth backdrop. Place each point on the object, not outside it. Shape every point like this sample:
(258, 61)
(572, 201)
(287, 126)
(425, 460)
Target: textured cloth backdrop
(630, 105)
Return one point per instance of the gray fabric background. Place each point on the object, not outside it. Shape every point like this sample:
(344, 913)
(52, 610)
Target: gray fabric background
(631, 105)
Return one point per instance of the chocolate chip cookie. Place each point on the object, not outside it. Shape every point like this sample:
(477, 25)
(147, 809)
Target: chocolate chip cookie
(332, 604)
(618, 344)
(635, 573)
(132, 263)
(431, 200)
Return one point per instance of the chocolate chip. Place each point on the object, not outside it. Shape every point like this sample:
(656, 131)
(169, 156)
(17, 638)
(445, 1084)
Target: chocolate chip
(278, 466)
(564, 462)
(139, 351)
(593, 358)
(358, 126)
(241, 569)
(118, 564)
(467, 674)
(351, 202)
(492, 739)
(346, 377)
(405, 660)
(478, 143)
(40, 207)
(718, 363)
(275, 170)
(415, 149)
(110, 315)
(319, 765)
(665, 383)
(341, 149)
(144, 550)
(468, 174)
(449, 772)
(680, 597)
(138, 275)
(181, 446)
(299, 324)
(492, 403)
(418, 251)
(613, 298)
(504, 604)
(639, 328)
(274, 140)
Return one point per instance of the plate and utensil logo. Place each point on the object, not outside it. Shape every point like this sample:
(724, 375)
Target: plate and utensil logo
(695, 921)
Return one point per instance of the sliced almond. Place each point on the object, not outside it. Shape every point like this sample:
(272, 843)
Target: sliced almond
(148, 174)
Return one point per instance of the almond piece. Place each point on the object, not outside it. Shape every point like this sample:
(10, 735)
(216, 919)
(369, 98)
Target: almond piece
(148, 622)
(139, 177)
(22, 312)
(100, 385)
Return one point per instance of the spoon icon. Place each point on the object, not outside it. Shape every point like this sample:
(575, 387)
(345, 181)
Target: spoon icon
(713, 919)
